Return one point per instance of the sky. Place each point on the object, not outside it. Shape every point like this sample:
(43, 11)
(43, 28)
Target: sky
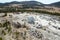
(42, 1)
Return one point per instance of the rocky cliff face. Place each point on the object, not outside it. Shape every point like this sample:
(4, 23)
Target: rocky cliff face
(29, 26)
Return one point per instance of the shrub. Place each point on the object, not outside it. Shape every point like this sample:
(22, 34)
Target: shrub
(0, 38)
(3, 32)
(0, 25)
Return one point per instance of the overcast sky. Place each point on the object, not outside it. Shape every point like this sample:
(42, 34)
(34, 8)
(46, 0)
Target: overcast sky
(43, 1)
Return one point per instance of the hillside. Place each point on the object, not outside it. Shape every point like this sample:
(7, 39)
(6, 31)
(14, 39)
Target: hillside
(24, 3)
(16, 6)
(56, 4)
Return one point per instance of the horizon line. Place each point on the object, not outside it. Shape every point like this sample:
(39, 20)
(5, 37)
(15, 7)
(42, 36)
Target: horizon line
(31, 0)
